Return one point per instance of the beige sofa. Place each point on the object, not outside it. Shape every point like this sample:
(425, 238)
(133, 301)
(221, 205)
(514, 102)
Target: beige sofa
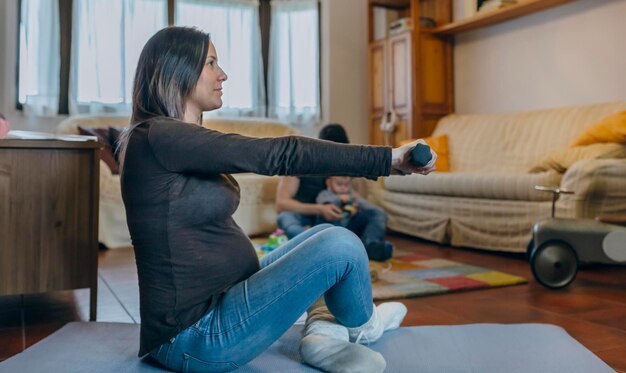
(256, 213)
(488, 201)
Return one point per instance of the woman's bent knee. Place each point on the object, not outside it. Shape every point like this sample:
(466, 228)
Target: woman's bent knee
(342, 243)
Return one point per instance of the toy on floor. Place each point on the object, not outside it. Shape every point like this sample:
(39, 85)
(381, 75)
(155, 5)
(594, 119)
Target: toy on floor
(558, 246)
(275, 240)
(378, 269)
(348, 209)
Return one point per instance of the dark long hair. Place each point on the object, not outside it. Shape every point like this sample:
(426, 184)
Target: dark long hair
(168, 69)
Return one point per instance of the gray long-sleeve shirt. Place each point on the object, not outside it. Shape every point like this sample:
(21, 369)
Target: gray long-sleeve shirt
(180, 198)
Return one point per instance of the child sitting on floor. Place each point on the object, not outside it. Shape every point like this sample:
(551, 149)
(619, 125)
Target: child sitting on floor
(339, 192)
(361, 217)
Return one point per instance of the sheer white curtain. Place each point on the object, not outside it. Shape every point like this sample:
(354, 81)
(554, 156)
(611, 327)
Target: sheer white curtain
(235, 32)
(107, 38)
(40, 59)
(293, 74)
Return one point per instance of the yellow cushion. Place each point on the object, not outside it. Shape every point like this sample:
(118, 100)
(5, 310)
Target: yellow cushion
(609, 129)
(440, 145)
(562, 160)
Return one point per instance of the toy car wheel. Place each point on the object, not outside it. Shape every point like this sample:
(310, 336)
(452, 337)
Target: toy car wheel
(554, 264)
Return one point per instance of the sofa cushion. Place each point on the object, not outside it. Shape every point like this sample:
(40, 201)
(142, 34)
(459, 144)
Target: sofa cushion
(70, 124)
(114, 136)
(256, 213)
(560, 161)
(253, 127)
(106, 153)
(501, 186)
(609, 129)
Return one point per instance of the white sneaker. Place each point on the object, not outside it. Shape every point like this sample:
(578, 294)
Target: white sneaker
(326, 346)
(387, 316)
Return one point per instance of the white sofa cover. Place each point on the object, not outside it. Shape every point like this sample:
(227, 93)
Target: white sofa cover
(256, 213)
(488, 201)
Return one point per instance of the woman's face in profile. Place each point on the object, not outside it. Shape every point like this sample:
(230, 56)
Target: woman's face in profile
(207, 95)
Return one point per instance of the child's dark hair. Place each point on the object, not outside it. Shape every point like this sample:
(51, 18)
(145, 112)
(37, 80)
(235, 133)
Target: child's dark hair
(334, 132)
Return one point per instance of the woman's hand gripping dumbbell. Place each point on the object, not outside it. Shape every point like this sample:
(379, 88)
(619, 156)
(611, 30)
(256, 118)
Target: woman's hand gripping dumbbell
(415, 157)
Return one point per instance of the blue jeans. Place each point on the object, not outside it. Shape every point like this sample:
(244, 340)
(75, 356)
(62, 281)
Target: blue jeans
(325, 260)
(294, 223)
(369, 223)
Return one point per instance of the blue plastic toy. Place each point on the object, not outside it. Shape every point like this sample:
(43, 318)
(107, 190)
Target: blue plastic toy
(275, 240)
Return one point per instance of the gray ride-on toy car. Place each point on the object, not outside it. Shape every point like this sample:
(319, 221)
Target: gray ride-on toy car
(558, 246)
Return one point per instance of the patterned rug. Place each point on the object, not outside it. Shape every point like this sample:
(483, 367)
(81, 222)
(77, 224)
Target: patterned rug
(414, 275)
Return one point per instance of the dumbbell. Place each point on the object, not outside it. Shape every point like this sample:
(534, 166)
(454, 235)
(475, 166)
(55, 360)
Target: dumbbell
(420, 155)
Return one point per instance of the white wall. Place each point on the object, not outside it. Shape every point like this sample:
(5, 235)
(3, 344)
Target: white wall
(568, 55)
(344, 66)
(8, 25)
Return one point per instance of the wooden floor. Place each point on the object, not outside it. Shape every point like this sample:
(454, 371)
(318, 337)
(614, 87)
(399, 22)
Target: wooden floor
(592, 309)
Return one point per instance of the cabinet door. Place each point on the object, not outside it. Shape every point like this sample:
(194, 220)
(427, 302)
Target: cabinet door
(435, 75)
(378, 78)
(377, 89)
(376, 135)
(48, 219)
(391, 89)
(400, 84)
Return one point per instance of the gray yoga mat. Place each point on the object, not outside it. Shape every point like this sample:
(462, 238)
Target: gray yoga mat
(98, 347)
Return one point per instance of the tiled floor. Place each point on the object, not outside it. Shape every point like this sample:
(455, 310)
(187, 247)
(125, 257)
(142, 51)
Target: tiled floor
(592, 309)
(24, 320)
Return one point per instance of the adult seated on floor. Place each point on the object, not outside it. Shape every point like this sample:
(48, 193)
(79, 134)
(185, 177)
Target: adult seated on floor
(207, 303)
(295, 202)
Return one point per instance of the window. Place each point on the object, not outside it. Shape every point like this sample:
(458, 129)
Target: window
(38, 89)
(235, 32)
(293, 79)
(105, 51)
(99, 64)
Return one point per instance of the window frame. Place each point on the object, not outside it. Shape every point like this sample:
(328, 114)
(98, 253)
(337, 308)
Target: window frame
(18, 105)
(65, 21)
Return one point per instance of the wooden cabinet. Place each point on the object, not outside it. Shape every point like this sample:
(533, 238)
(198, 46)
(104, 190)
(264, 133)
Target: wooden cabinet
(480, 20)
(410, 73)
(49, 216)
(391, 94)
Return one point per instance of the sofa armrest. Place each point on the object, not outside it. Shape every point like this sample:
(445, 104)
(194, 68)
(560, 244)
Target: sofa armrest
(599, 187)
(256, 213)
(70, 124)
(110, 188)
